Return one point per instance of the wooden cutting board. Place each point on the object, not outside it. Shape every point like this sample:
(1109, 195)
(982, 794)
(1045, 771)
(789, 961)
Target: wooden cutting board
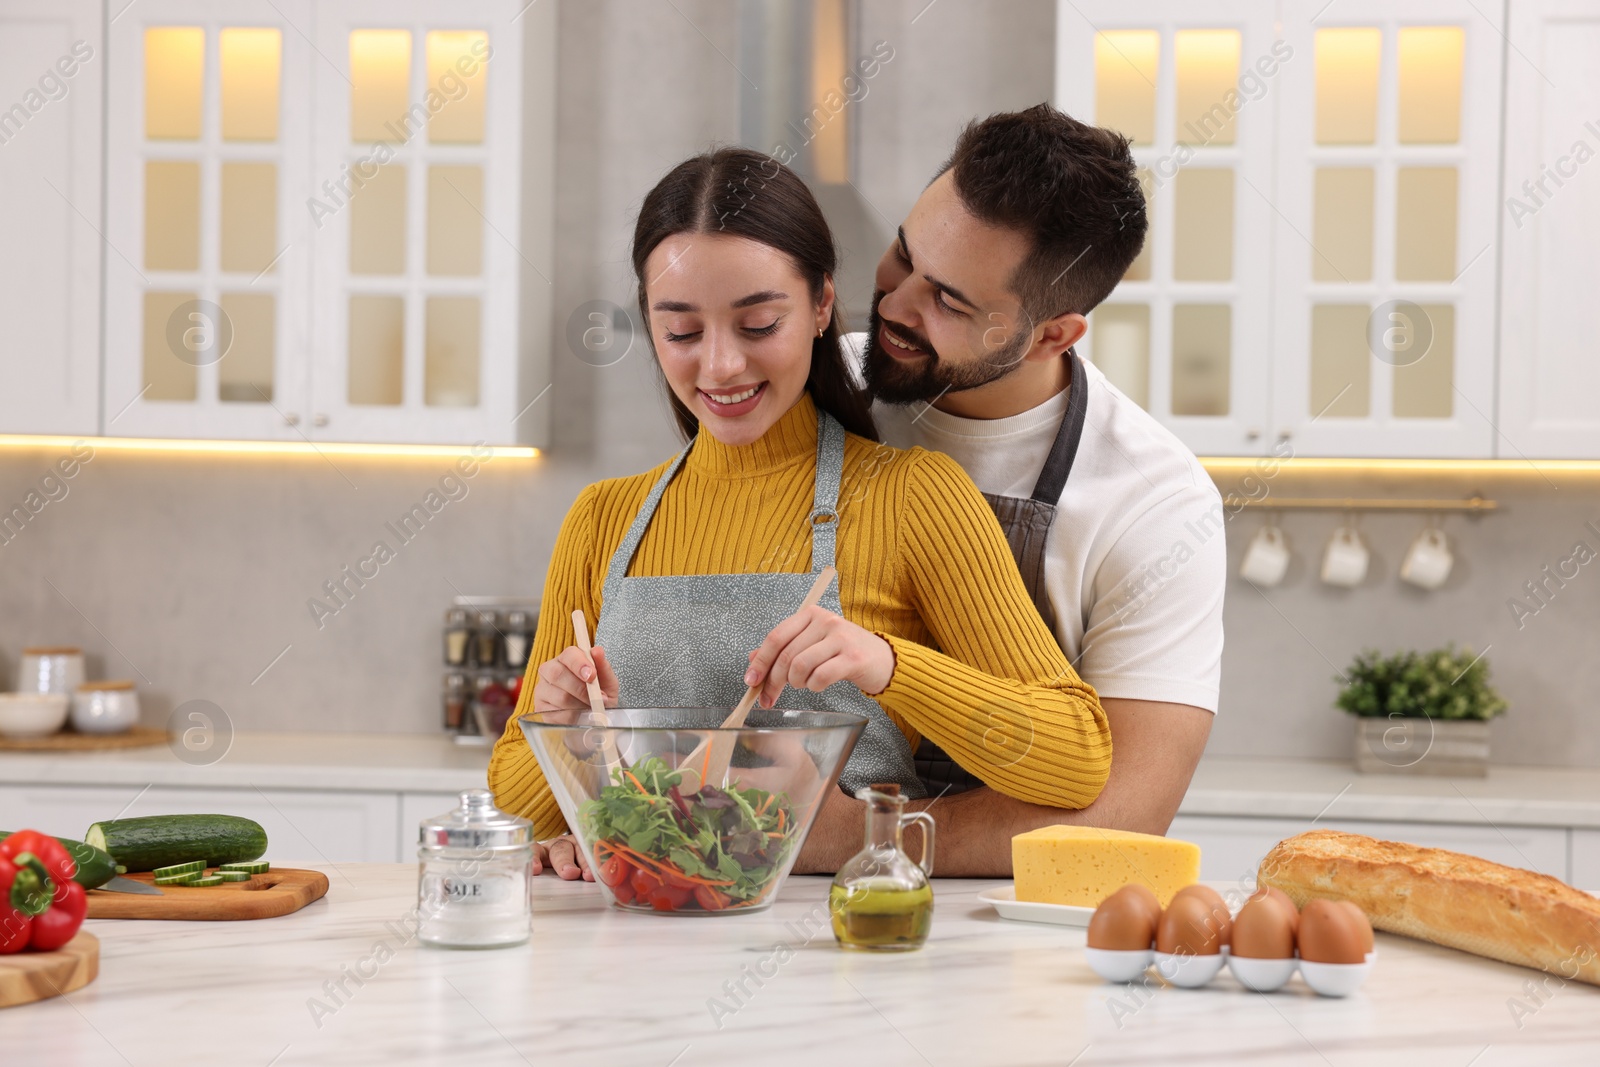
(29, 976)
(278, 892)
(72, 741)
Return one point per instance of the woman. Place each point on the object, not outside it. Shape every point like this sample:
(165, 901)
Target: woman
(735, 264)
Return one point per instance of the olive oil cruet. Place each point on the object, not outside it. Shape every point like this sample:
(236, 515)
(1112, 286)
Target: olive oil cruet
(881, 900)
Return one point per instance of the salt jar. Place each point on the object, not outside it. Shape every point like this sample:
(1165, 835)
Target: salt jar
(475, 876)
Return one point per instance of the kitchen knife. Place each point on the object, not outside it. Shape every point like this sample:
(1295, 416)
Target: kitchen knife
(120, 884)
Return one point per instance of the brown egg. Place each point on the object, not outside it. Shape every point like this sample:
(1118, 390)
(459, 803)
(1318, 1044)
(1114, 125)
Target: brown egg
(1190, 927)
(1125, 921)
(1361, 921)
(1216, 907)
(1263, 930)
(1330, 934)
(1272, 892)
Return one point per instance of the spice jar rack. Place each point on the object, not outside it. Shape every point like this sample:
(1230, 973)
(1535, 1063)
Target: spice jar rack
(485, 647)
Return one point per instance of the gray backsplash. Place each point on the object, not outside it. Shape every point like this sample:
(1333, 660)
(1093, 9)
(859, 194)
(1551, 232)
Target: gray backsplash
(192, 575)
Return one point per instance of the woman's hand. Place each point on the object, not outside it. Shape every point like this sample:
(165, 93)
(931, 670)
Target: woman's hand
(815, 648)
(562, 856)
(564, 681)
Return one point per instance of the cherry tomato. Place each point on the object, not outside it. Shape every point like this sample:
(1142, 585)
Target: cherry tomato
(710, 898)
(670, 898)
(644, 883)
(623, 891)
(614, 871)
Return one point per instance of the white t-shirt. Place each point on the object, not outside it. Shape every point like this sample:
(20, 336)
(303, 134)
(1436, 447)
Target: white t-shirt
(1135, 563)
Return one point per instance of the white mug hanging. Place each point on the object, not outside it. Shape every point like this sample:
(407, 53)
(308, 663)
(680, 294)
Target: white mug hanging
(1428, 560)
(1266, 558)
(1345, 561)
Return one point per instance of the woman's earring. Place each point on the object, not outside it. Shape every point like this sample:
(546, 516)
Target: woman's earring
(820, 330)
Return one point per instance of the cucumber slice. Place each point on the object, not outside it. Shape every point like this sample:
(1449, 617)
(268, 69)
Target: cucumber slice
(253, 867)
(194, 866)
(152, 841)
(210, 879)
(187, 878)
(233, 876)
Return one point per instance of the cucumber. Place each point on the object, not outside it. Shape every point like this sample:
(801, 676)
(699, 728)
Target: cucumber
(95, 868)
(251, 867)
(186, 878)
(196, 867)
(232, 876)
(152, 841)
(210, 879)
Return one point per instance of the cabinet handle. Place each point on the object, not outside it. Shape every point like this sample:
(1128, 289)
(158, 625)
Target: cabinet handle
(292, 419)
(1284, 435)
(1252, 434)
(319, 420)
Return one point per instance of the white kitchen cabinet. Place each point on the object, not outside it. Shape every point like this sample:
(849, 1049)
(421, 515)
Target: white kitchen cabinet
(52, 63)
(1585, 861)
(303, 826)
(1321, 183)
(1384, 268)
(414, 807)
(1549, 321)
(328, 229)
(1231, 848)
(1186, 332)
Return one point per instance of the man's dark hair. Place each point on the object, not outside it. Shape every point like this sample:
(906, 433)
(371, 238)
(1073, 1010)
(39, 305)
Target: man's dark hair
(1071, 188)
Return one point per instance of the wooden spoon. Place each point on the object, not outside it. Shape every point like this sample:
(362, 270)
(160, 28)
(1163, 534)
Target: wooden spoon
(597, 700)
(714, 763)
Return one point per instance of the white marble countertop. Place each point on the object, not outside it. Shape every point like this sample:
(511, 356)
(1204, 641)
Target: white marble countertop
(1509, 796)
(596, 986)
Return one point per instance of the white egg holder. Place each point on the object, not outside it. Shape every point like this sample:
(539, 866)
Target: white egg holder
(1256, 975)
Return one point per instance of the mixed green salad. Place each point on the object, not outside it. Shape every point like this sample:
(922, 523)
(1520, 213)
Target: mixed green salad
(714, 849)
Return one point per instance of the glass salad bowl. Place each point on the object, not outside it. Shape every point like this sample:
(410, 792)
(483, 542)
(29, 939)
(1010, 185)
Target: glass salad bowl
(661, 837)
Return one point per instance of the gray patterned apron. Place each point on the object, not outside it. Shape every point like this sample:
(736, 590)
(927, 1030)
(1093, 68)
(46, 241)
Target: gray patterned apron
(1026, 522)
(684, 640)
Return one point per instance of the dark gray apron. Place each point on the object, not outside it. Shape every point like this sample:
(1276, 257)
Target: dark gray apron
(1026, 522)
(683, 641)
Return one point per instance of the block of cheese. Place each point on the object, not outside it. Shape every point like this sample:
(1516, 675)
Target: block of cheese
(1082, 865)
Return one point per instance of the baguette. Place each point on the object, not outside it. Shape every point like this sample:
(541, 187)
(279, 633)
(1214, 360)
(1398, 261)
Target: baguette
(1448, 898)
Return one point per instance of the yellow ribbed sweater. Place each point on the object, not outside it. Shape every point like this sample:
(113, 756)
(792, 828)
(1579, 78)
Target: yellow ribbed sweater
(922, 563)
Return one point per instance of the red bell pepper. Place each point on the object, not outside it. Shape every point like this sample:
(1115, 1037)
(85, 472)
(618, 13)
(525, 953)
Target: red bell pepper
(41, 907)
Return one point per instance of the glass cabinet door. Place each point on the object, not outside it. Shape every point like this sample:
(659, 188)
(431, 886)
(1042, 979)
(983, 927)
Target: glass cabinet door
(416, 220)
(1185, 333)
(207, 284)
(1384, 266)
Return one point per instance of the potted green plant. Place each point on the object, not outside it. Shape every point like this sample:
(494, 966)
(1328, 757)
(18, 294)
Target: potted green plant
(1421, 712)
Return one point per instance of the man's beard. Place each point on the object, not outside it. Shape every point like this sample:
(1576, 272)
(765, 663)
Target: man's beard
(895, 381)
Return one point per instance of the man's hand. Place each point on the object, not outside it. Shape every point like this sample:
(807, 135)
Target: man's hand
(1155, 749)
(563, 857)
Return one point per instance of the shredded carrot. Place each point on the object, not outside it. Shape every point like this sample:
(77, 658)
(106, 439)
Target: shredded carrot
(763, 806)
(774, 833)
(636, 782)
(780, 818)
(657, 866)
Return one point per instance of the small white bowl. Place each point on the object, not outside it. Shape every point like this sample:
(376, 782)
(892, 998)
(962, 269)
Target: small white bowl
(1262, 976)
(1188, 972)
(1335, 979)
(1118, 966)
(32, 714)
(105, 708)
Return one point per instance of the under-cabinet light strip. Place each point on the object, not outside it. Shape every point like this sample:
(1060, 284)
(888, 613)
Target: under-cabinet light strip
(258, 448)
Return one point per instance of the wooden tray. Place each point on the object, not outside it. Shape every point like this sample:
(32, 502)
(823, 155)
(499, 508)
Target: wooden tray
(72, 741)
(29, 976)
(278, 892)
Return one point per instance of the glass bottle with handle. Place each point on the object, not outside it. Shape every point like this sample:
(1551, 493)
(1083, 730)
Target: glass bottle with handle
(882, 900)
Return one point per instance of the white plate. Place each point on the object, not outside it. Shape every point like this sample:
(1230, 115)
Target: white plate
(1004, 900)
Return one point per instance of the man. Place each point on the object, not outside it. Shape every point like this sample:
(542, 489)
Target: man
(1116, 526)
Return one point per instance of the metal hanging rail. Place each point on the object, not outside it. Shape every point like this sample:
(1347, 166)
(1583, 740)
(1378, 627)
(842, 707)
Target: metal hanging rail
(1470, 505)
